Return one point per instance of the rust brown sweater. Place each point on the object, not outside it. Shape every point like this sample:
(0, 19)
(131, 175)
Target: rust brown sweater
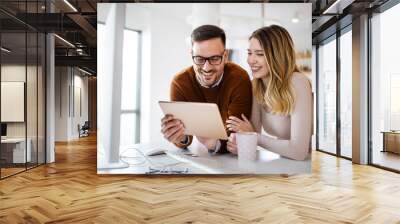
(233, 95)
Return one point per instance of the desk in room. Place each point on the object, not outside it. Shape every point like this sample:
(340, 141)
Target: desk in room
(13, 150)
(205, 163)
(391, 141)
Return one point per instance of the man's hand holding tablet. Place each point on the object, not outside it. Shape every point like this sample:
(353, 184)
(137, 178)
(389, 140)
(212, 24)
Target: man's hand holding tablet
(173, 129)
(184, 119)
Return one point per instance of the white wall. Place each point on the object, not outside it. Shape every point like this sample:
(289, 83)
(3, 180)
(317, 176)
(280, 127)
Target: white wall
(61, 103)
(163, 69)
(105, 67)
(33, 127)
(164, 53)
(80, 82)
(17, 73)
(110, 69)
(66, 121)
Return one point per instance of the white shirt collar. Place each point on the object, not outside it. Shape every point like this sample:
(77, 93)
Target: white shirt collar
(214, 85)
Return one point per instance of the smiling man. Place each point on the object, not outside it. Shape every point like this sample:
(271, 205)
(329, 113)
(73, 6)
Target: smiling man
(211, 79)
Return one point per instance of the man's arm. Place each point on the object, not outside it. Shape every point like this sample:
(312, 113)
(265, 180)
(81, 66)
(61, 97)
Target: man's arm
(213, 145)
(172, 129)
(176, 94)
(241, 103)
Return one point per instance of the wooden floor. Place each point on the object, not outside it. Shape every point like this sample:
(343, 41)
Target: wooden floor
(10, 171)
(387, 159)
(70, 191)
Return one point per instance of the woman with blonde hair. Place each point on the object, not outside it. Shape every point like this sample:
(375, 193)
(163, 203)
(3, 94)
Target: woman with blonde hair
(282, 97)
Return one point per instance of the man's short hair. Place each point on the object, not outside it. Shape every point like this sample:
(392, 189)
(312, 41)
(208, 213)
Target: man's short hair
(207, 32)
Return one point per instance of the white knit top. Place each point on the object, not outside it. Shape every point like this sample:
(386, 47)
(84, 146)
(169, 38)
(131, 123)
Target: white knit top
(293, 132)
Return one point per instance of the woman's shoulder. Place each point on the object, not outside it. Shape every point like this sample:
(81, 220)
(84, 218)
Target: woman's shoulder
(260, 106)
(300, 80)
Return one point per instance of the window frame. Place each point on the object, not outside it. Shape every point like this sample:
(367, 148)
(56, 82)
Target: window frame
(137, 111)
(334, 37)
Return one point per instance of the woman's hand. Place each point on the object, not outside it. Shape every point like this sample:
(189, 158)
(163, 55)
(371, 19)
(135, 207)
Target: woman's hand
(236, 125)
(231, 144)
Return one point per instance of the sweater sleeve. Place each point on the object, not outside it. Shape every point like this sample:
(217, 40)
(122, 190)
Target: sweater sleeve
(240, 103)
(297, 147)
(177, 95)
(241, 99)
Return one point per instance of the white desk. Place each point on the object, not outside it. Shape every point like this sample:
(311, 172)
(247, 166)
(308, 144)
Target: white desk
(18, 150)
(205, 163)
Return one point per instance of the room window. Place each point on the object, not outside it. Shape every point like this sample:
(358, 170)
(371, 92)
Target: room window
(327, 97)
(346, 94)
(394, 102)
(130, 98)
(385, 89)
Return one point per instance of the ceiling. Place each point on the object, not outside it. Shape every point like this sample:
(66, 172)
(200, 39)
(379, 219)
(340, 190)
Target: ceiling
(76, 25)
(76, 22)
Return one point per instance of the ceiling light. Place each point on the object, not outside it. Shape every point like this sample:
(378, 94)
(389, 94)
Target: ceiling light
(5, 50)
(295, 18)
(338, 6)
(84, 71)
(64, 40)
(79, 51)
(70, 5)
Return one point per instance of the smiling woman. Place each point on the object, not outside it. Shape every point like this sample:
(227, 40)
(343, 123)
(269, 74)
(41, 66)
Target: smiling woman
(282, 103)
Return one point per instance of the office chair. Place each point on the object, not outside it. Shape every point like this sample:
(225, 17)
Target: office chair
(84, 130)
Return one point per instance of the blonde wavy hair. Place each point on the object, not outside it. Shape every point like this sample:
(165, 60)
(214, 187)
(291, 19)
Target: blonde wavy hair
(274, 90)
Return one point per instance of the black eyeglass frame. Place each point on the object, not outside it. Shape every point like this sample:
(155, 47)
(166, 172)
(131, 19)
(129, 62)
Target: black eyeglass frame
(209, 59)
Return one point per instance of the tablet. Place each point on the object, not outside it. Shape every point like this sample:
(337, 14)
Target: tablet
(200, 119)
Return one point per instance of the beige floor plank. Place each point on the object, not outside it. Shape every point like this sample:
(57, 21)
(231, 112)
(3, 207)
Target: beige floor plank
(70, 191)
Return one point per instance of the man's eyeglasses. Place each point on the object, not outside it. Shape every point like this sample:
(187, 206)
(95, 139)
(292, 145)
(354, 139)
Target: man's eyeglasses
(213, 60)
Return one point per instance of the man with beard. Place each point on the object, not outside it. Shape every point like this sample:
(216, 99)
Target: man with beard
(211, 79)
